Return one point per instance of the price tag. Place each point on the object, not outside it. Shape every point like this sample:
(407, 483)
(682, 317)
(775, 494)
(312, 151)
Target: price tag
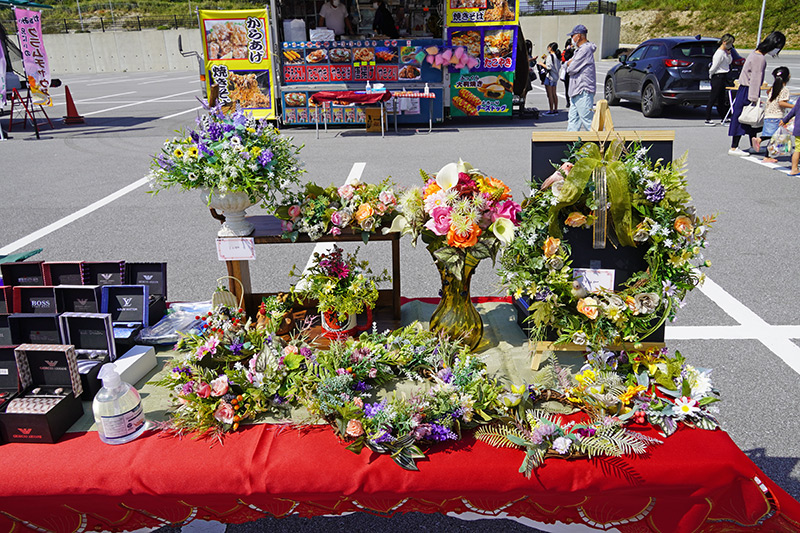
(236, 249)
(595, 279)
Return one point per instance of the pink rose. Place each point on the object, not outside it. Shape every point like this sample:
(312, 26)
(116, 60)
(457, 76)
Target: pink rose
(290, 349)
(387, 197)
(286, 225)
(507, 209)
(354, 428)
(380, 208)
(225, 413)
(440, 220)
(337, 219)
(203, 390)
(335, 231)
(373, 373)
(294, 211)
(359, 402)
(219, 386)
(346, 191)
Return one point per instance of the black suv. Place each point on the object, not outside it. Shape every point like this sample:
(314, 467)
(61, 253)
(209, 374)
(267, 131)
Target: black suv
(666, 71)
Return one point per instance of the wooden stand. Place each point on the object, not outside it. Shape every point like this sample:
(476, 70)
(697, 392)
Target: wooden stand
(268, 231)
(28, 111)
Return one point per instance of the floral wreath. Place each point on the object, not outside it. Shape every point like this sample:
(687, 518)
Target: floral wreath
(646, 205)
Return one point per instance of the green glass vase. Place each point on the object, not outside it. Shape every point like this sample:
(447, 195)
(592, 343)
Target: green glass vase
(456, 315)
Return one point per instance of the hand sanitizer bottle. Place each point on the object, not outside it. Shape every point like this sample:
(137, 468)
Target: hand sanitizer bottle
(369, 87)
(426, 90)
(117, 408)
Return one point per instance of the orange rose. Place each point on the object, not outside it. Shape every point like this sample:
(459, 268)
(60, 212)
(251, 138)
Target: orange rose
(683, 225)
(364, 212)
(498, 189)
(551, 246)
(588, 306)
(354, 428)
(458, 240)
(575, 219)
(433, 188)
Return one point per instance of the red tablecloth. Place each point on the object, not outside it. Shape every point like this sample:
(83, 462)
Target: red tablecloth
(696, 481)
(351, 97)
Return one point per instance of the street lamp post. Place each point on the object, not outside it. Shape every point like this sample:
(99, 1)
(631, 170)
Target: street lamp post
(761, 20)
(79, 13)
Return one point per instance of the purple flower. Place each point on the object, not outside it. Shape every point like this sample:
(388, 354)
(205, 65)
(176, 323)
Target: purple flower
(278, 399)
(236, 347)
(204, 149)
(214, 131)
(441, 433)
(372, 409)
(194, 135)
(187, 388)
(265, 157)
(361, 386)
(359, 354)
(227, 128)
(542, 295)
(585, 432)
(445, 375)
(164, 162)
(382, 436)
(541, 432)
(655, 192)
(239, 119)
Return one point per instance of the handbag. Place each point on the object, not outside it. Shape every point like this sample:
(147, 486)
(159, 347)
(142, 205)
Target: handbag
(753, 115)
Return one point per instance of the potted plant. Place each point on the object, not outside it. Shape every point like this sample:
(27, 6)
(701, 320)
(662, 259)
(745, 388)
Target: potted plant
(343, 287)
(235, 160)
(275, 314)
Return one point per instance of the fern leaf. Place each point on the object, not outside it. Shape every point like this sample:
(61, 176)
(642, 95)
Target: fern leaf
(497, 435)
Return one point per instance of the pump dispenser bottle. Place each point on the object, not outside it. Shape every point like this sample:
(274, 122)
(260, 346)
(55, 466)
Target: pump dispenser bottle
(117, 408)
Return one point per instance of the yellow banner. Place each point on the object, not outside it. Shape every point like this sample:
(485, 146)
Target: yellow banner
(238, 61)
(482, 12)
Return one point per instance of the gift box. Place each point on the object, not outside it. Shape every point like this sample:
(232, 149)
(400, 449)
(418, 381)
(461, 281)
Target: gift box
(34, 328)
(154, 276)
(129, 308)
(92, 335)
(49, 401)
(136, 363)
(22, 273)
(5, 330)
(6, 299)
(9, 378)
(78, 298)
(63, 272)
(103, 272)
(34, 299)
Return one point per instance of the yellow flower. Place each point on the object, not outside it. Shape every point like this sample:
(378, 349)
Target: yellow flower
(586, 377)
(255, 150)
(627, 396)
(251, 130)
(551, 246)
(193, 151)
(576, 220)
(178, 152)
(588, 307)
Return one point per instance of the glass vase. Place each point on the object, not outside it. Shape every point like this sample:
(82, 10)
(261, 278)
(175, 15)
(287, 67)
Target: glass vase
(456, 315)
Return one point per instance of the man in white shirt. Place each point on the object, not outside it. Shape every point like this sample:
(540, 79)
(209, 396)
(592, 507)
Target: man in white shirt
(333, 15)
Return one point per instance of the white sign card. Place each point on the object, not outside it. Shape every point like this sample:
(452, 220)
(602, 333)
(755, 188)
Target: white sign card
(236, 248)
(595, 279)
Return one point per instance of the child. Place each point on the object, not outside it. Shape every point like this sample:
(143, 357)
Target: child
(777, 103)
(794, 113)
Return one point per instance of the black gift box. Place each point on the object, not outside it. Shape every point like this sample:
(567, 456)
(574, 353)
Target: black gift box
(6, 299)
(44, 366)
(34, 299)
(129, 307)
(5, 331)
(22, 273)
(9, 378)
(33, 328)
(78, 298)
(92, 335)
(63, 273)
(103, 273)
(154, 275)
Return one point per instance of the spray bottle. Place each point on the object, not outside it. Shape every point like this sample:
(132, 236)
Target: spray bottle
(117, 408)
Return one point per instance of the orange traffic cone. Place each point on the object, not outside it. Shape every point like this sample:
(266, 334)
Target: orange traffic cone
(72, 114)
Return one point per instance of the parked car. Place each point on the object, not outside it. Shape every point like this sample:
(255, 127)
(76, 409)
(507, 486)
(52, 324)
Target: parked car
(666, 71)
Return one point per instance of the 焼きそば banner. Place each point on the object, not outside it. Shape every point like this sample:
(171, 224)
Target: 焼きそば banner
(237, 51)
(482, 12)
(34, 57)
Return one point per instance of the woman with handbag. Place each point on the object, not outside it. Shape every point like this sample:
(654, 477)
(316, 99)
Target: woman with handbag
(747, 97)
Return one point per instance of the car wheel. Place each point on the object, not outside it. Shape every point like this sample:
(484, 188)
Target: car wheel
(608, 92)
(651, 101)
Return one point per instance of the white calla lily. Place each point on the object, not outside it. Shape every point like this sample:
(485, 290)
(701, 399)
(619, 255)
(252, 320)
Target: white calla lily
(463, 166)
(398, 225)
(503, 229)
(448, 176)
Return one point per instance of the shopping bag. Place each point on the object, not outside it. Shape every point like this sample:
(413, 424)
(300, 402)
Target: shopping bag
(780, 143)
(753, 115)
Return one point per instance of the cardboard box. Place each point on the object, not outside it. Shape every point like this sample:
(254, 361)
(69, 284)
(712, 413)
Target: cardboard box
(63, 272)
(47, 368)
(78, 298)
(6, 299)
(22, 273)
(34, 299)
(373, 119)
(136, 363)
(5, 330)
(34, 328)
(103, 273)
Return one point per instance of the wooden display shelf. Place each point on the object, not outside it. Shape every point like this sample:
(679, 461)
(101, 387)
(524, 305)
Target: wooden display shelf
(268, 231)
(549, 346)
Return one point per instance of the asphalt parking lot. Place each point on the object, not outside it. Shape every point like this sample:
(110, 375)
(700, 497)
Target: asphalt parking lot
(744, 323)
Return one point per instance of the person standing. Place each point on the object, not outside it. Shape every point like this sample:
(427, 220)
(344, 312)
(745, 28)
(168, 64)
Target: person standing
(750, 81)
(552, 65)
(333, 15)
(777, 103)
(720, 67)
(583, 80)
(383, 23)
(566, 55)
(794, 113)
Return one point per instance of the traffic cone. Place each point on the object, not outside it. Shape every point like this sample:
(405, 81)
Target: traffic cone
(72, 114)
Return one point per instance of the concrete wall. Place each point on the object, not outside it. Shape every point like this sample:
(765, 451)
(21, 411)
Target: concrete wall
(541, 31)
(121, 51)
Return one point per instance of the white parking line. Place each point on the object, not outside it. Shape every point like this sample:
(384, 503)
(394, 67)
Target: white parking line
(182, 112)
(58, 224)
(107, 82)
(165, 79)
(138, 103)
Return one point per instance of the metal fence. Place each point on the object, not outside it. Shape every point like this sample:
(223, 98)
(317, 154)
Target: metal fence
(564, 7)
(103, 24)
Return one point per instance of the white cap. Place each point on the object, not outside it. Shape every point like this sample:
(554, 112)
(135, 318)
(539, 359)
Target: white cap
(109, 376)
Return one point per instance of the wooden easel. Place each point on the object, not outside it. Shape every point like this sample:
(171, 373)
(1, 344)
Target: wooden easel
(28, 111)
(550, 146)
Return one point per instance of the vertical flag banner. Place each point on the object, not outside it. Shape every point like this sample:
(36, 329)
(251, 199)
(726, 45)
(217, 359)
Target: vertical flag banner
(34, 57)
(236, 48)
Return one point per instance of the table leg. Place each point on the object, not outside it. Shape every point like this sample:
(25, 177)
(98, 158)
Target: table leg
(316, 122)
(394, 108)
(430, 115)
(396, 277)
(730, 107)
(383, 127)
(241, 271)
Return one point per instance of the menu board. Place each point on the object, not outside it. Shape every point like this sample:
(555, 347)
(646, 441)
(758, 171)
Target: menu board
(495, 47)
(238, 61)
(482, 12)
(297, 109)
(395, 61)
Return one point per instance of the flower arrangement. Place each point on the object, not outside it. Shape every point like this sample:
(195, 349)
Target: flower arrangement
(340, 283)
(459, 212)
(229, 153)
(357, 206)
(649, 209)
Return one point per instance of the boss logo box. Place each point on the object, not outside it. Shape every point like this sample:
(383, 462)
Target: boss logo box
(49, 402)
(34, 299)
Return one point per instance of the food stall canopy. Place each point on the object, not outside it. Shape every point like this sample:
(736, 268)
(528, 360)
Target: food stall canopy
(23, 3)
